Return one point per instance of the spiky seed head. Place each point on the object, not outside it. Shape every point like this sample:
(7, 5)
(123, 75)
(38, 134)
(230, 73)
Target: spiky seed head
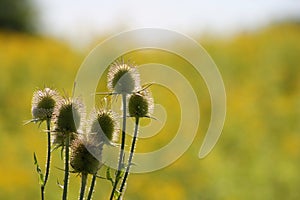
(140, 104)
(43, 104)
(68, 115)
(81, 160)
(123, 78)
(67, 118)
(103, 125)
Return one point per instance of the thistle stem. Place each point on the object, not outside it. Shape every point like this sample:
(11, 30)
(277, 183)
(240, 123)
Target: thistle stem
(91, 190)
(83, 184)
(130, 156)
(66, 179)
(48, 159)
(121, 157)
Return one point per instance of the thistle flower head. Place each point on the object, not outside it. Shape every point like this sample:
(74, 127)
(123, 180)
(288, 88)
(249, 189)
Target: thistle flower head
(68, 115)
(140, 104)
(103, 125)
(43, 103)
(123, 78)
(81, 159)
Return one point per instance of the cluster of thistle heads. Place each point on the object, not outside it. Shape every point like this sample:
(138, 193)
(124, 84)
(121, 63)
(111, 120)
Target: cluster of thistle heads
(89, 133)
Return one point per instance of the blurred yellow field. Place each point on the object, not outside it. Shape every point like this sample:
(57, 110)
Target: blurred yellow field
(257, 156)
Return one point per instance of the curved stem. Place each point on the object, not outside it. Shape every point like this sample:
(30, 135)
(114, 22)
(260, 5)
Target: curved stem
(83, 184)
(66, 179)
(92, 187)
(121, 156)
(48, 159)
(131, 155)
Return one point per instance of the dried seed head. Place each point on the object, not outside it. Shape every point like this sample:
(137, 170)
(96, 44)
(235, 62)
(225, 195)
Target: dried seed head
(140, 104)
(123, 78)
(81, 159)
(68, 115)
(43, 103)
(103, 125)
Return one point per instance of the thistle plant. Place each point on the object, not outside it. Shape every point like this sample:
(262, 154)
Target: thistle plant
(103, 130)
(44, 103)
(68, 117)
(123, 79)
(140, 105)
(82, 140)
(82, 161)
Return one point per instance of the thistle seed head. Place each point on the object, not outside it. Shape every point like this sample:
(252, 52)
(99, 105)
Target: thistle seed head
(103, 125)
(140, 104)
(68, 115)
(81, 160)
(123, 78)
(43, 103)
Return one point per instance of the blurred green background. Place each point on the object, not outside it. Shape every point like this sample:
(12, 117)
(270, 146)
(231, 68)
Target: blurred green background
(257, 156)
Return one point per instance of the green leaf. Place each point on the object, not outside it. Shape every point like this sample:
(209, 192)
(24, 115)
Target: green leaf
(55, 147)
(40, 122)
(117, 194)
(38, 170)
(62, 152)
(121, 174)
(59, 185)
(108, 176)
(133, 164)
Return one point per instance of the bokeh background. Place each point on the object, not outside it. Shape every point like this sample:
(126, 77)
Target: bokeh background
(255, 44)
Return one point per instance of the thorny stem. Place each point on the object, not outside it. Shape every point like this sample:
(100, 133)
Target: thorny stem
(48, 158)
(91, 190)
(66, 179)
(121, 157)
(130, 156)
(83, 184)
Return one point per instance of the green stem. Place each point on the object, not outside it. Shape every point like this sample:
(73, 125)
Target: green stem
(66, 179)
(91, 190)
(130, 156)
(48, 159)
(42, 192)
(121, 157)
(83, 184)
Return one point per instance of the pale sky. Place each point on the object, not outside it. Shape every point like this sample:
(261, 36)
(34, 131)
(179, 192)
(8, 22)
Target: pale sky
(80, 21)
